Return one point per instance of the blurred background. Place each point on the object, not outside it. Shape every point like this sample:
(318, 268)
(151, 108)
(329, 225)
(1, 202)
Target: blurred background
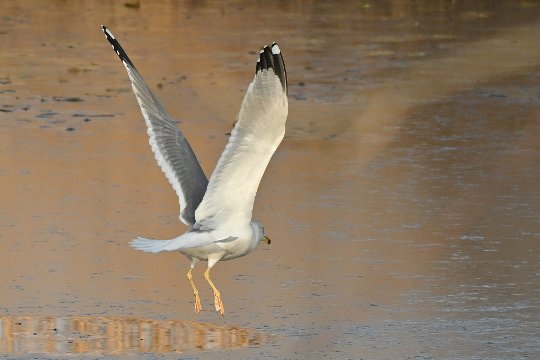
(403, 204)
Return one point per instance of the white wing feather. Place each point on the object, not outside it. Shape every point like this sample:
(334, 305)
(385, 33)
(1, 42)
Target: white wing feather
(258, 132)
(230, 194)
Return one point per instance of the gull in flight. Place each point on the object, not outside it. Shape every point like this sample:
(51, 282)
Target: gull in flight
(218, 212)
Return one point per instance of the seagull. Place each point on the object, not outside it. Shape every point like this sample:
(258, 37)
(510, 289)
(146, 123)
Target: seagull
(218, 212)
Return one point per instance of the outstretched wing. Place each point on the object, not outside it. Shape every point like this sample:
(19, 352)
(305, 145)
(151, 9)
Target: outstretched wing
(254, 139)
(171, 149)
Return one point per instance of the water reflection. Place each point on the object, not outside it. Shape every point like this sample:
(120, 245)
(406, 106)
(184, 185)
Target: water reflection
(117, 335)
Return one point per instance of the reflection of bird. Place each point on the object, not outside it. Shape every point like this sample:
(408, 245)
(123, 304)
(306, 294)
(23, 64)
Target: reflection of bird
(218, 211)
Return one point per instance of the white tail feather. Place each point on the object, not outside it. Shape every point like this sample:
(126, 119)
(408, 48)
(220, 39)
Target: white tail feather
(153, 246)
(191, 239)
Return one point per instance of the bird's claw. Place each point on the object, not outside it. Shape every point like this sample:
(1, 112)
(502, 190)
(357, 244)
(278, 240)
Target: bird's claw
(219, 304)
(198, 307)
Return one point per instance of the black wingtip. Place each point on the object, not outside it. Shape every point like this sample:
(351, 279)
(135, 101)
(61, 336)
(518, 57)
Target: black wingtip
(116, 46)
(270, 57)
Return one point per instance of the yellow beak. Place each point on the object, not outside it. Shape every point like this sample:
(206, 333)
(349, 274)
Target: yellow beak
(266, 240)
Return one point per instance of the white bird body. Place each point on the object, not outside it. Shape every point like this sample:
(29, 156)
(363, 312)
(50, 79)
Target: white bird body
(202, 245)
(218, 211)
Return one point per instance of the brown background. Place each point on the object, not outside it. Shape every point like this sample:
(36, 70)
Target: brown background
(403, 204)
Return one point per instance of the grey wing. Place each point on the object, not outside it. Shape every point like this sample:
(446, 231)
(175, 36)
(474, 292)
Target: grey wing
(171, 149)
(254, 139)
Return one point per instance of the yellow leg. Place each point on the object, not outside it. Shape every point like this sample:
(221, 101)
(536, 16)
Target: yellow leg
(217, 294)
(198, 307)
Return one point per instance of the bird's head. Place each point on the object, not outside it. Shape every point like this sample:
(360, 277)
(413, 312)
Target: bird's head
(260, 230)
